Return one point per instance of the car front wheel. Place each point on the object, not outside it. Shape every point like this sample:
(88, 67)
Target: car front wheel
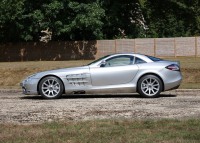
(51, 87)
(150, 86)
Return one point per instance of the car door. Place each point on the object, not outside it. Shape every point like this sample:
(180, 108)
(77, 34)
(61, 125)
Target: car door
(116, 70)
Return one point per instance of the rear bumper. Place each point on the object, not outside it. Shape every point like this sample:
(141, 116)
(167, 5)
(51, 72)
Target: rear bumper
(176, 87)
(173, 84)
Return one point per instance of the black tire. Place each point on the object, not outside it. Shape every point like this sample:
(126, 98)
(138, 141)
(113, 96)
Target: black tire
(149, 86)
(51, 87)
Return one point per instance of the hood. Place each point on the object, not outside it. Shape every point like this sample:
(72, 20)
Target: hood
(63, 72)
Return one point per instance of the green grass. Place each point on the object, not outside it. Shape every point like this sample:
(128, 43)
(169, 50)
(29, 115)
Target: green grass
(14, 72)
(103, 131)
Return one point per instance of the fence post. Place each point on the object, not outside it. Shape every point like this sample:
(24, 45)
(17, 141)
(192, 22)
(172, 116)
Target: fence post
(115, 46)
(154, 46)
(195, 47)
(175, 47)
(135, 46)
(97, 54)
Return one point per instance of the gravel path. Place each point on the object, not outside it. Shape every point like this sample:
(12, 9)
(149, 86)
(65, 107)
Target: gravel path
(18, 108)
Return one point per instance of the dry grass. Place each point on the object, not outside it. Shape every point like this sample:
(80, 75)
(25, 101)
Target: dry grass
(112, 131)
(190, 68)
(14, 72)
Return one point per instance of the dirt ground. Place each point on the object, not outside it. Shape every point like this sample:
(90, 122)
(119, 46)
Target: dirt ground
(24, 109)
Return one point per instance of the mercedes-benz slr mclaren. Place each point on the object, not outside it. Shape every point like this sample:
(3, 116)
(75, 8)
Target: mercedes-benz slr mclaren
(116, 73)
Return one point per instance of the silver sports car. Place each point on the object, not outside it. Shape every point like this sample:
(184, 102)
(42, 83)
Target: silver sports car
(116, 73)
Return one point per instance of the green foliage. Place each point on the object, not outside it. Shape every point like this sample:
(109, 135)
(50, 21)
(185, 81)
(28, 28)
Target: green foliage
(84, 21)
(10, 15)
(170, 18)
(67, 20)
(123, 19)
(24, 20)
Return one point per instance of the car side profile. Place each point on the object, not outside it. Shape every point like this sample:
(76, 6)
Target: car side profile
(115, 73)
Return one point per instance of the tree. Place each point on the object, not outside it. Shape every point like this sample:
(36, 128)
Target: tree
(170, 18)
(28, 20)
(124, 19)
(83, 21)
(193, 7)
(11, 12)
(23, 20)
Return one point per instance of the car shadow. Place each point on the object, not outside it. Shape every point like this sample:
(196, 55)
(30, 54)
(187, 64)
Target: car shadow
(86, 96)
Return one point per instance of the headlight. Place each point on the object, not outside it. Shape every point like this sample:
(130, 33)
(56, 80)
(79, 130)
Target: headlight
(30, 77)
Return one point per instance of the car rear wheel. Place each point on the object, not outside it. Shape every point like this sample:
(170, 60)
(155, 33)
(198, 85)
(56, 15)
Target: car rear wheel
(51, 87)
(150, 86)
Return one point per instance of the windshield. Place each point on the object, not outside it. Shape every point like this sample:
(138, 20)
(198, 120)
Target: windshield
(98, 60)
(154, 58)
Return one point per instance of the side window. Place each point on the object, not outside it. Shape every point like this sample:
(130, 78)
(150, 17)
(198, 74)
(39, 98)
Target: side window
(119, 61)
(139, 61)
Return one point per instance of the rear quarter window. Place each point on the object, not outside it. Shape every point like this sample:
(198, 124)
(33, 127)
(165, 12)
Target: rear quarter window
(139, 61)
(154, 59)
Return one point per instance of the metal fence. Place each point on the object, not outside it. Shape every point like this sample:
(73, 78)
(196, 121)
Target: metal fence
(75, 50)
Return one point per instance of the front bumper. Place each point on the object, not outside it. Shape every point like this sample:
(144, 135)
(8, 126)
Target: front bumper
(29, 87)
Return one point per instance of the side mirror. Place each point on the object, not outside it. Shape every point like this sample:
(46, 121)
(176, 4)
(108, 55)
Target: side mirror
(103, 64)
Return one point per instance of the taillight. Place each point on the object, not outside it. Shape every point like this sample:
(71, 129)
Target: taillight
(173, 67)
